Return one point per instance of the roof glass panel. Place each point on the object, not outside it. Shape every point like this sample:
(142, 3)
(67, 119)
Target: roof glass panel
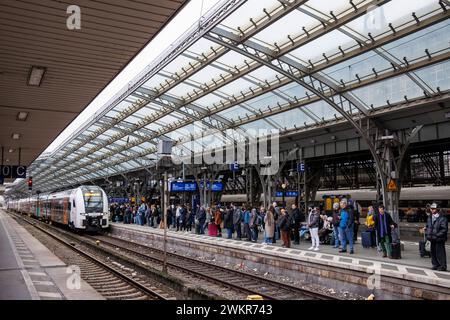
(232, 58)
(208, 100)
(327, 44)
(201, 45)
(394, 90)
(177, 64)
(395, 12)
(437, 75)
(207, 74)
(235, 87)
(250, 9)
(181, 89)
(326, 6)
(278, 32)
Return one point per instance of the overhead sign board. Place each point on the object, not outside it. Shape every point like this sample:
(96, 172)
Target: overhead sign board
(177, 186)
(301, 167)
(13, 172)
(216, 186)
(234, 166)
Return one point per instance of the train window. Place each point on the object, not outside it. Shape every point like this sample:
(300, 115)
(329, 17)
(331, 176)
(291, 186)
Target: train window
(69, 206)
(73, 201)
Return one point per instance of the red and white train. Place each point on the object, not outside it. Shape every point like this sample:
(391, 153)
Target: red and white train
(82, 208)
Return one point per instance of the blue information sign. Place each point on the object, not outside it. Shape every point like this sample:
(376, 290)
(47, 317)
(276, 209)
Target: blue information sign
(291, 194)
(216, 186)
(177, 186)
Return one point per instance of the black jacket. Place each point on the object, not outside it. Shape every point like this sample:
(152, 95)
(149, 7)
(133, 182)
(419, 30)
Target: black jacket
(389, 222)
(298, 216)
(284, 222)
(437, 231)
(228, 219)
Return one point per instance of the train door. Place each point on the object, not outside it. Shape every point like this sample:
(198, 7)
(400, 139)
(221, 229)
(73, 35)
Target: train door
(73, 210)
(66, 210)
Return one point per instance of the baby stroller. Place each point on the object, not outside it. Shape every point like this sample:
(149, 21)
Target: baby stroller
(326, 232)
(304, 233)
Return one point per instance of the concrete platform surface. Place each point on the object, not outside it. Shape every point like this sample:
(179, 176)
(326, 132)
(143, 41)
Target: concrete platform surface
(410, 267)
(29, 270)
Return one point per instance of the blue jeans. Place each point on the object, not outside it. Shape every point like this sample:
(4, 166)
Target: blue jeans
(229, 233)
(267, 239)
(336, 235)
(346, 235)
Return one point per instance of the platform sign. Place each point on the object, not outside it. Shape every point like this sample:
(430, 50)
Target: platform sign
(392, 185)
(181, 186)
(291, 194)
(279, 194)
(13, 172)
(301, 167)
(216, 186)
(234, 166)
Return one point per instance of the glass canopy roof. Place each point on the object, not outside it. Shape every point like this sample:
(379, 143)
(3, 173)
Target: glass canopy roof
(263, 64)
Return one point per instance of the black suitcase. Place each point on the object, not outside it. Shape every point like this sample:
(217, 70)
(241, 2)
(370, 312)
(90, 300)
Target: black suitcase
(396, 251)
(366, 239)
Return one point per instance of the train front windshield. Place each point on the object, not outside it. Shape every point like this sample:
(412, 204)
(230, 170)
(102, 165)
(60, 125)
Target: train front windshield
(93, 200)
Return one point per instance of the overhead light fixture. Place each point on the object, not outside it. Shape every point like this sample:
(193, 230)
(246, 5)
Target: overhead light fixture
(11, 150)
(7, 160)
(36, 75)
(22, 116)
(447, 115)
(15, 136)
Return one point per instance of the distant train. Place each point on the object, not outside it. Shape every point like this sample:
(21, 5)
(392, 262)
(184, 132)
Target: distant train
(415, 197)
(83, 208)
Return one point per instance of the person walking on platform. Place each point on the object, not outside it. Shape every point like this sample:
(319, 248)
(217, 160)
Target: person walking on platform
(228, 222)
(346, 226)
(384, 224)
(285, 228)
(237, 220)
(269, 226)
(313, 225)
(436, 232)
(247, 232)
(298, 218)
(336, 221)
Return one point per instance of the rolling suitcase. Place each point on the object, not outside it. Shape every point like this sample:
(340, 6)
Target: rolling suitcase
(396, 251)
(366, 239)
(212, 230)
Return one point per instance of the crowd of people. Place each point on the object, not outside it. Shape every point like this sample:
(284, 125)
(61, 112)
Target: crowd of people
(339, 228)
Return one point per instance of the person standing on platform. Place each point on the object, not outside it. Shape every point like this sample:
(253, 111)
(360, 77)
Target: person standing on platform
(218, 220)
(356, 216)
(255, 222)
(336, 220)
(237, 220)
(201, 219)
(296, 214)
(247, 232)
(177, 217)
(228, 222)
(277, 217)
(269, 226)
(313, 225)
(436, 232)
(148, 215)
(370, 224)
(384, 224)
(141, 213)
(285, 228)
(346, 226)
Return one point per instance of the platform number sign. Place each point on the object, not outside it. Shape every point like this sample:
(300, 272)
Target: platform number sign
(234, 166)
(13, 172)
(301, 167)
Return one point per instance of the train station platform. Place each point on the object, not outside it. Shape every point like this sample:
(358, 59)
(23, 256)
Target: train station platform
(364, 272)
(29, 271)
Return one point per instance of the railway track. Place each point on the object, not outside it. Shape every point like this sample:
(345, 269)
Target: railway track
(111, 279)
(235, 279)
